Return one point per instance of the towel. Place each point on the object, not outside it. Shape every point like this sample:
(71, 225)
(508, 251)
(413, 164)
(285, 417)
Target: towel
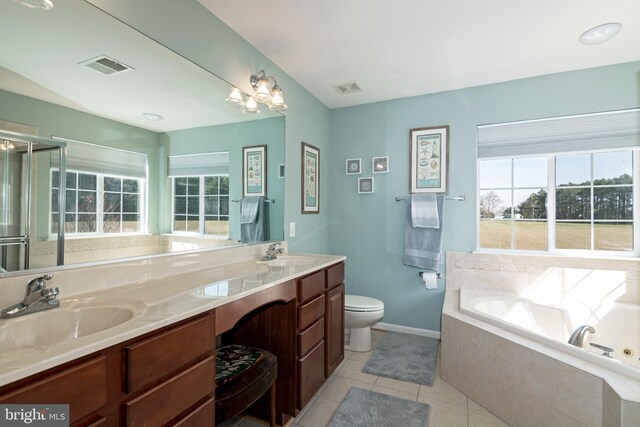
(249, 209)
(258, 230)
(423, 246)
(424, 211)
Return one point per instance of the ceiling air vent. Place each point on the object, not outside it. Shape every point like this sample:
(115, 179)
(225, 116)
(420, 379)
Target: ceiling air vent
(349, 87)
(106, 65)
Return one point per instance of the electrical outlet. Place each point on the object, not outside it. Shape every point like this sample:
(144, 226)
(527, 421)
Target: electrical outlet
(292, 229)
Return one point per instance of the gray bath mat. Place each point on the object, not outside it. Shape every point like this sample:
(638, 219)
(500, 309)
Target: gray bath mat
(370, 409)
(404, 357)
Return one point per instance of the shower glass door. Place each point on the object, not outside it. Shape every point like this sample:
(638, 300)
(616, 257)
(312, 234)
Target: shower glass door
(25, 160)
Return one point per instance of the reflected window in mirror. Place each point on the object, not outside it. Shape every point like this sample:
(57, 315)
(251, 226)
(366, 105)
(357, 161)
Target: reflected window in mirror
(201, 205)
(98, 204)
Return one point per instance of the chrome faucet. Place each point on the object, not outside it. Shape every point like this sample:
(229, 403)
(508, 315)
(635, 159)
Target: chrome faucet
(272, 252)
(37, 298)
(577, 337)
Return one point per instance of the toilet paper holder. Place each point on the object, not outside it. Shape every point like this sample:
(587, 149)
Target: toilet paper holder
(422, 272)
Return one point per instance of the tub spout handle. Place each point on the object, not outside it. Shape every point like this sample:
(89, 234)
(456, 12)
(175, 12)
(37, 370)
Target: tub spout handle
(607, 350)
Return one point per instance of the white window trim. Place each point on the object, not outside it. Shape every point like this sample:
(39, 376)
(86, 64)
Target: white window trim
(551, 210)
(201, 215)
(142, 184)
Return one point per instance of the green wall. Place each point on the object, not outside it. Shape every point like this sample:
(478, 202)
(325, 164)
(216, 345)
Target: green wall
(192, 31)
(232, 138)
(54, 120)
(368, 228)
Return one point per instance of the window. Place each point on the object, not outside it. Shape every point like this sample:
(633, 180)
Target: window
(201, 205)
(562, 184)
(97, 203)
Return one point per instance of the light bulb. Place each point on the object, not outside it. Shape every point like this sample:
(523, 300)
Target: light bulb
(235, 98)
(263, 93)
(251, 106)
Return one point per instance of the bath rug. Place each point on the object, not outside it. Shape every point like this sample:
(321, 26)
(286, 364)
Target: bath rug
(404, 357)
(366, 408)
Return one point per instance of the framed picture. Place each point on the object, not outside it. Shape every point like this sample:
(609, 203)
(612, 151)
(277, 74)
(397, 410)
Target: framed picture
(254, 171)
(354, 166)
(365, 185)
(380, 165)
(429, 159)
(310, 179)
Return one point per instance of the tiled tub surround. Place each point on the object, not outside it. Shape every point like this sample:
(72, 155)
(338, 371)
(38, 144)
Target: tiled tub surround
(90, 249)
(172, 287)
(617, 326)
(522, 381)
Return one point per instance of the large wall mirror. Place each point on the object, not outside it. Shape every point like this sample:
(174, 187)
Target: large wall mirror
(154, 154)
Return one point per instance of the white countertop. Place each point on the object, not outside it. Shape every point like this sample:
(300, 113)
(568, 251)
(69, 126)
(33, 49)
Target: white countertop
(167, 300)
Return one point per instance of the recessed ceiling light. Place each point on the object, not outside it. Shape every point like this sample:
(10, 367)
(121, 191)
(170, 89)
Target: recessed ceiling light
(601, 33)
(152, 116)
(36, 4)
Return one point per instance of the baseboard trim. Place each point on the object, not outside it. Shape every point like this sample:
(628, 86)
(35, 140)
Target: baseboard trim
(407, 330)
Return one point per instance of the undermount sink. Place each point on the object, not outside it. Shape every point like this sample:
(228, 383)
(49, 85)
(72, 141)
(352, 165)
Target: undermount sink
(288, 261)
(74, 318)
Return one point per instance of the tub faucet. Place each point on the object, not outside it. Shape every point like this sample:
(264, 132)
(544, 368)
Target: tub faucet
(272, 252)
(37, 298)
(577, 337)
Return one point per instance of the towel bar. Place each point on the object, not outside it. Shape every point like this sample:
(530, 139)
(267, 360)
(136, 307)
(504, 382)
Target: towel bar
(266, 201)
(457, 198)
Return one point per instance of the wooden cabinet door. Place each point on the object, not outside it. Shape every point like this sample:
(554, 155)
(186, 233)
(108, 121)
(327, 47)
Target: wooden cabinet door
(334, 329)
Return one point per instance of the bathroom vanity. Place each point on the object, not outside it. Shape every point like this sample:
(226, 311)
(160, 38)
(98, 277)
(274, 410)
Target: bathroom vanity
(158, 368)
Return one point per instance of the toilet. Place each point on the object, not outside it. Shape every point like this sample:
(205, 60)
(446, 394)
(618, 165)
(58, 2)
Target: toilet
(360, 314)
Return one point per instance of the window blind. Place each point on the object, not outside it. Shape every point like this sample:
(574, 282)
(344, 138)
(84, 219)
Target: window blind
(199, 164)
(85, 157)
(586, 132)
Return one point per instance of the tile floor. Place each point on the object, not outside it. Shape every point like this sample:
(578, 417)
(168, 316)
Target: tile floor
(449, 407)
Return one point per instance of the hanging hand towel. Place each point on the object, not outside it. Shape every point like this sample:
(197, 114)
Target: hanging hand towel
(423, 246)
(256, 230)
(424, 211)
(249, 209)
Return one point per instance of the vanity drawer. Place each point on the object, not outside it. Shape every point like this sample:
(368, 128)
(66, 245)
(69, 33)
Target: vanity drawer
(311, 286)
(335, 275)
(152, 358)
(84, 384)
(310, 312)
(203, 415)
(310, 374)
(310, 336)
(163, 403)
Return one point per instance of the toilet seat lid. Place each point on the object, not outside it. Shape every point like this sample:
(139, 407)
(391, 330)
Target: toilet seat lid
(360, 303)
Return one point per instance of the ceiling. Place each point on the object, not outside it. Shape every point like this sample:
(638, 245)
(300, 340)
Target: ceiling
(413, 47)
(43, 59)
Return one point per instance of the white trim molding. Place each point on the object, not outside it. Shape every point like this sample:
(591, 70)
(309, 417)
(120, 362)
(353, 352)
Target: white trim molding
(407, 330)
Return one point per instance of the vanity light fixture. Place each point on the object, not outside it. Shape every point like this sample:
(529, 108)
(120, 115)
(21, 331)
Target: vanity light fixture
(265, 94)
(601, 33)
(235, 98)
(251, 106)
(152, 116)
(36, 4)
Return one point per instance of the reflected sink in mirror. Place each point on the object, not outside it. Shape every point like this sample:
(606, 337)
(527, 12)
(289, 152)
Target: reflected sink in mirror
(288, 261)
(74, 319)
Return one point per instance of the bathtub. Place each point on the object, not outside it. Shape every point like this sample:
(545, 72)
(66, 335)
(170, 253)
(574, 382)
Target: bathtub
(617, 325)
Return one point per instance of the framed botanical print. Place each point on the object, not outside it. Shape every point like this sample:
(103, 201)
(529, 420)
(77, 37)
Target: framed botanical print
(254, 171)
(310, 179)
(429, 159)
